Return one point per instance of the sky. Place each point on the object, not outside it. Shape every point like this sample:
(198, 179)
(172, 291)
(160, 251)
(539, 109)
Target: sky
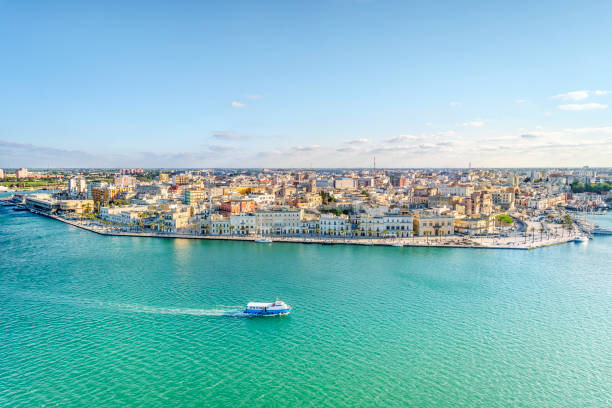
(330, 83)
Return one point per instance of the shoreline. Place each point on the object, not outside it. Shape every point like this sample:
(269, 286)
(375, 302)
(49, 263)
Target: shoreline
(454, 241)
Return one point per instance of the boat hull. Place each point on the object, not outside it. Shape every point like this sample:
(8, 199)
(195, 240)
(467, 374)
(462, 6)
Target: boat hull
(279, 312)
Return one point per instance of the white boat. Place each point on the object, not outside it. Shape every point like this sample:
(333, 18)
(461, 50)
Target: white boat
(581, 238)
(277, 308)
(263, 240)
(398, 244)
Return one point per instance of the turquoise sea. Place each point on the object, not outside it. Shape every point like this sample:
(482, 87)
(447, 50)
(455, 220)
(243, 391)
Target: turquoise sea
(89, 320)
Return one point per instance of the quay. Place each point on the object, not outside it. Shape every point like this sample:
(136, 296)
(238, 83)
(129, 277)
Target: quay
(454, 241)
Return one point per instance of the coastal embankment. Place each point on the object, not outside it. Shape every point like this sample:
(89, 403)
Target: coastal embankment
(514, 242)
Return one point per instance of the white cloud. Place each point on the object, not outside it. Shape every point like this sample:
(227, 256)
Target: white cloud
(347, 149)
(236, 104)
(454, 104)
(445, 134)
(473, 123)
(404, 138)
(520, 100)
(226, 135)
(572, 96)
(361, 140)
(307, 148)
(582, 106)
(579, 95)
(254, 96)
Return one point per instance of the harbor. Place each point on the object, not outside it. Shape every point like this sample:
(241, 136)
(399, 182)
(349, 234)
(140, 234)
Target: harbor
(526, 242)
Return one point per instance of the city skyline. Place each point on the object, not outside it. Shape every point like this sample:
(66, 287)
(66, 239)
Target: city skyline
(322, 85)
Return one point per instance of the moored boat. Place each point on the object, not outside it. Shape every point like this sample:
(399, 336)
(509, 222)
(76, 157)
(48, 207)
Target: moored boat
(263, 240)
(581, 238)
(277, 308)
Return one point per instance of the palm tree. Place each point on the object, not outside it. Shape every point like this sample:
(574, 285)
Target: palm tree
(232, 229)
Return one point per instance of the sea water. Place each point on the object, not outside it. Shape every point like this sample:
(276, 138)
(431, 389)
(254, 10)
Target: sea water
(91, 320)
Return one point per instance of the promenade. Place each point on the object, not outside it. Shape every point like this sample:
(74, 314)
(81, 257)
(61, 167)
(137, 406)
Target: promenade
(455, 241)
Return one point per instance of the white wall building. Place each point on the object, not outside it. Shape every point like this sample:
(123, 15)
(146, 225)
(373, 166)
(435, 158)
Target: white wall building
(345, 184)
(331, 224)
(77, 185)
(455, 190)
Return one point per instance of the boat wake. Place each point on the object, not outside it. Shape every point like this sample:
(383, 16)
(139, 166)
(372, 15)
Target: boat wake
(221, 310)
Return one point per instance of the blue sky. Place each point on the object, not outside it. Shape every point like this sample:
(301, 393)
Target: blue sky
(299, 84)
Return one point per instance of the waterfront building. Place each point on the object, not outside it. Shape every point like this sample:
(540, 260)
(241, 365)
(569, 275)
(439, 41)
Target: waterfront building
(331, 224)
(282, 220)
(41, 202)
(434, 225)
(122, 215)
(1, 174)
(474, 225)
(217, 225)
(388, 225)
(243, 224)
(177, 219)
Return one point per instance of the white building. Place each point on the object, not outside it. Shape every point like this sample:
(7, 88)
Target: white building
(331, 224)
(124, 215)
(243, 224)
(278, 221)
(390, 225)
(455, 190)
(262, 199)
(345, 184)
(77, 185)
